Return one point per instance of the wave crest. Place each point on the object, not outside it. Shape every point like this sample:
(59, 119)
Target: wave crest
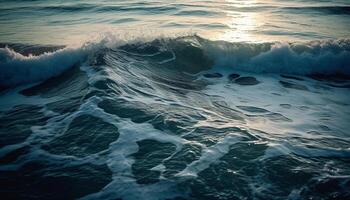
(331, 57)
(191, 54)
(18, 69)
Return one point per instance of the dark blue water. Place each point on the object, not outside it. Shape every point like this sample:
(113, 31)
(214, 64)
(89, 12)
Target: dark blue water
(174, 99)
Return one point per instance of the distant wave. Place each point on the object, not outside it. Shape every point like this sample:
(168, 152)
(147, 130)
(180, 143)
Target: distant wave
(332, 10)
(330, 57)
(335, 10)
(192, 54)
(93, 8)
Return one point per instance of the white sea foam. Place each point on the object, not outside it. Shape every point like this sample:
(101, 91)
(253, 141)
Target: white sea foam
(210, 155)
(119, 160)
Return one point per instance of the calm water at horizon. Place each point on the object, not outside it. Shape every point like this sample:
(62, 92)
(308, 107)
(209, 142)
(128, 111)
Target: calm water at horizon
(65, 22)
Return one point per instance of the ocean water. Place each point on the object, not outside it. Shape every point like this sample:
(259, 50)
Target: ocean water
(216, 99)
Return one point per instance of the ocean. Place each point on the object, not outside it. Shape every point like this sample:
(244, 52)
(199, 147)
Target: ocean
(182, 99)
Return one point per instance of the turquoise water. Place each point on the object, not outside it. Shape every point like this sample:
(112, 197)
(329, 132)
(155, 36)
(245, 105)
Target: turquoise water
(174, 99)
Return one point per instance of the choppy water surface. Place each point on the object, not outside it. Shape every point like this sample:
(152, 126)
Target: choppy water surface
(174, 100)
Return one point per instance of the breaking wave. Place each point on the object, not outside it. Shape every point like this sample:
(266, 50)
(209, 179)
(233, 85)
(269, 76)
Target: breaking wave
(191, 53)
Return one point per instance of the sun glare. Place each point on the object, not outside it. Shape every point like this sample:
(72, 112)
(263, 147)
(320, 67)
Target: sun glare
(241, 24)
